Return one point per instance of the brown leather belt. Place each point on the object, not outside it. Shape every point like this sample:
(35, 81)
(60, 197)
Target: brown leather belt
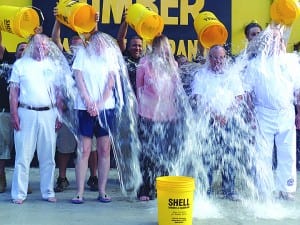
(44, 108)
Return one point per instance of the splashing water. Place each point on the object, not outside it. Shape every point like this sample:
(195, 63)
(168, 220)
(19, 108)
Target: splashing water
(255, 180)
(105, 67)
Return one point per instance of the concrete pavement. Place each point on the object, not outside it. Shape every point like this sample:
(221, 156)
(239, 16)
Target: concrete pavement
(125, 211)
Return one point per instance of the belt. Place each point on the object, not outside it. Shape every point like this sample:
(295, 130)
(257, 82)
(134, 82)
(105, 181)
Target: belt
(4, 110)
(44, 108)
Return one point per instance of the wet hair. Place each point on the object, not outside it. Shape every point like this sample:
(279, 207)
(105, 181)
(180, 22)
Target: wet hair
(216, 47)
(251, 25)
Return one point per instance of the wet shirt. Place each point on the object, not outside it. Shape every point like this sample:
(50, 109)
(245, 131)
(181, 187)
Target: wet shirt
(36, 80)
(95, 72)
(8, 60)
(70, 57)
(274, 81)
(155, 92)
(218, 91)
(131, 64)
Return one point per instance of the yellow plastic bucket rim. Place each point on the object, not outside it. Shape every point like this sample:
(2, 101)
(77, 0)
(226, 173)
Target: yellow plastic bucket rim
(279, 17)
(222, 42)
(141, 18)
(201, 27)
(71, 17)
(161, 25)
(16, 28)
(178, 182)
(174, 178)
(79, 28)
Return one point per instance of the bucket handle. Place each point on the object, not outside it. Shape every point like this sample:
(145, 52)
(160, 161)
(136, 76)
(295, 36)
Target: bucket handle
(40, 14)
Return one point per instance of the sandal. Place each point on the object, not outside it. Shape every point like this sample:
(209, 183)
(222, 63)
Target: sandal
(104, 198)
(77, 200)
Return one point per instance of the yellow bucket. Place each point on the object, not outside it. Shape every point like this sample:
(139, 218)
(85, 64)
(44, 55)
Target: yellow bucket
(76, 15)
(284, 11)
(146, 23)
(175, 196)
(18, 20)
(210, 30)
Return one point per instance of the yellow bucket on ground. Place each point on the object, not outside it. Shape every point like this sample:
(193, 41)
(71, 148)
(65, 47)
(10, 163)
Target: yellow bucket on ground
(79, 16)
(18, 20)
(146, 23)
(175, 196)
(210, 30)
(285, 11)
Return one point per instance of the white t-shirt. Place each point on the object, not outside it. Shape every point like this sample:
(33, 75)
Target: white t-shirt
(274, 80)
(218, 92)
(95, 72)
(37, 80)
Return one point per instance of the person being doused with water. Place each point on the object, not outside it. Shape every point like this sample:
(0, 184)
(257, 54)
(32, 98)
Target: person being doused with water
(219, 99)
(273, 78)
(161, 110)
(98, 70)
(66, 143)
(36, 85)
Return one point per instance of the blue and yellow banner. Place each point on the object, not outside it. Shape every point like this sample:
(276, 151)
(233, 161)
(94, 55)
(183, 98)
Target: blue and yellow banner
(178, 17)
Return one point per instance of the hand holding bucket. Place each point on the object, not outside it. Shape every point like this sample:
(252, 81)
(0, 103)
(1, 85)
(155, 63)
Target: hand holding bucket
(145, 22)
(22, 21)
(285, 11)
(76, 15)
(210, 30)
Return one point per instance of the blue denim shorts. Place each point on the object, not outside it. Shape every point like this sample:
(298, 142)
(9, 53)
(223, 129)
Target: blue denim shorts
(90, 126)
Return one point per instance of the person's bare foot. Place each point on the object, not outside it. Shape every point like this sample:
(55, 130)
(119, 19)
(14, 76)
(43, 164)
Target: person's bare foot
(144, 198)
(51, 199)
(17, 201)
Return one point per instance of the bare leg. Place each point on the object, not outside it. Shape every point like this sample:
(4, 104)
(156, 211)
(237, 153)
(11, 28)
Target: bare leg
(82, 165)
(93, 163)
(103, 150)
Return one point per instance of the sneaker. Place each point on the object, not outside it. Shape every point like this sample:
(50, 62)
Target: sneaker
(93, 183)
(2, 183)
(61, 184)
(286, 196)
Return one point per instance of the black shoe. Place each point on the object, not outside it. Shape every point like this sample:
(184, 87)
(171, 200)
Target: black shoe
(61, 184)
(93, 183)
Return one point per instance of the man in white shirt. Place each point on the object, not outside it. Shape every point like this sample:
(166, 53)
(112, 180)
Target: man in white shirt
(272, 78)
(217, 94)
(34, 95)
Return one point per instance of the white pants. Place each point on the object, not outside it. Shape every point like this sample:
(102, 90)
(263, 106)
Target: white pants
(278, 126)
(37, 131)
